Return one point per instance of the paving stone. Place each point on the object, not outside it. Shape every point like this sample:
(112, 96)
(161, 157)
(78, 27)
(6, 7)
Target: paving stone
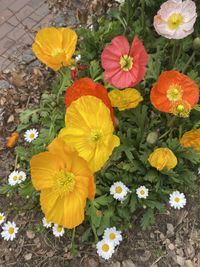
(4, 29)
(5, 44)
(24, 12)
(16, 33)
(5, 15)
(18, 5)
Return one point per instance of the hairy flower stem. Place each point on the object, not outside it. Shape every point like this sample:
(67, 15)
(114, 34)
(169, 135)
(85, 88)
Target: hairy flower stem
(179, 53)
(73, 250)
(173, 54)
(64, 78)
(143, 14)
(188, 62)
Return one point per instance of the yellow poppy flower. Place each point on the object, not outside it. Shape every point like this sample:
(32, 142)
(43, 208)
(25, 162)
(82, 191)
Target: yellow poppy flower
(55, 46)
(191, 139)
(89, 128)
(65, 182)
(162, 157)
(125, 99)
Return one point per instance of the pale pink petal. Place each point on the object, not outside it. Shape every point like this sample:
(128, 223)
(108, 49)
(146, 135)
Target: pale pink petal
(168, 8)
(188, 10)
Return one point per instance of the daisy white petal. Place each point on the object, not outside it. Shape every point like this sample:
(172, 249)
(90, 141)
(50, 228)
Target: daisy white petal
(113, 235)
(9, 231)
(142, 192)
(2, 218)
(105, 249)
(177, 200)
(119, 191)
(13, 178)
(21, 177)
(46, 224)
(58, 230)
(31, 135)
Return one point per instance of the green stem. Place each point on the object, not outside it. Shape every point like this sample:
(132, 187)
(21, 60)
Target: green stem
(179, 54)
(173, 53)
(72, 241)
(188, 62)
(96, 239)
(16, 158)
(163, 135)
(143, 14)
(61, 86)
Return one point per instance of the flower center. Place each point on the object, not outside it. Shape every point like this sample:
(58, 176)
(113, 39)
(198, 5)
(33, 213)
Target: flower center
(56, 52)
(15, 178)
(59, 229)
(64, 182)
(177, 199)
(174, 93)
(112, 236)
(105, 247)
(174, 21)
(20, 177)
(11, 230)
(142, 192)
(96, 135)
(118, 189)
(1, 217)
(126, 62)
(181, 109)
(32, 135)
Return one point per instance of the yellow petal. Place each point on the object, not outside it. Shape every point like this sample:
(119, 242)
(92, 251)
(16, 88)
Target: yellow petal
(43, 167)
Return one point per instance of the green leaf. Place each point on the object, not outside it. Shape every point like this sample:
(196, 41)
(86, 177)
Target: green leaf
(151, 176)
(95, 69)
(6, 189)
(147, 219)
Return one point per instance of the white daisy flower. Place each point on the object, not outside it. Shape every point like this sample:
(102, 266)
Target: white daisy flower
(2, 218)
(46, 224)
(142, 192)
(177, 200)
(105, 249)
(113, 235)
(21, 177)
(9, 231)
(119, 191)
(13, 178)
(58, 230)
(31, 135)
(78, 57)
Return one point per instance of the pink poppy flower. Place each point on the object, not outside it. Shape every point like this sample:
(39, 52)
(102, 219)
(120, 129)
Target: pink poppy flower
(175, 19)
(124, 66)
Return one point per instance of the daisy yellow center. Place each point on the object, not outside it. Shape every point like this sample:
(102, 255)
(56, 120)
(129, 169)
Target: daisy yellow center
(174, 93)
(105, 247)
(20, 177)
(15, 178)
(112, 236)
(142, 192)
(59, 229)
(11, 230)
(174, 21)
(64, 182)
(96, 135)
(177, 199)
(1, 217)
(126, 62)
(118, 189)
(56, 52)
(32, 135)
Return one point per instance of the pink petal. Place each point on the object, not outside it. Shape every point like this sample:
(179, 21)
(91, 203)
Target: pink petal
(121, 44)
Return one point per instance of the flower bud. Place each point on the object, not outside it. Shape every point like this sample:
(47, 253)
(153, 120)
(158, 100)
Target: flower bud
(196, 43)
(152, 137)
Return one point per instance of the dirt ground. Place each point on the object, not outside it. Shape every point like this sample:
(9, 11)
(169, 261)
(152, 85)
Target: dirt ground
(173, 241)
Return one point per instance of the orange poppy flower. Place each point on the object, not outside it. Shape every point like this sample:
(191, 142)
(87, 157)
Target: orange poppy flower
(191, 139)
(175, 93)
(12, 140)
(84, 87)
(65, 181)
